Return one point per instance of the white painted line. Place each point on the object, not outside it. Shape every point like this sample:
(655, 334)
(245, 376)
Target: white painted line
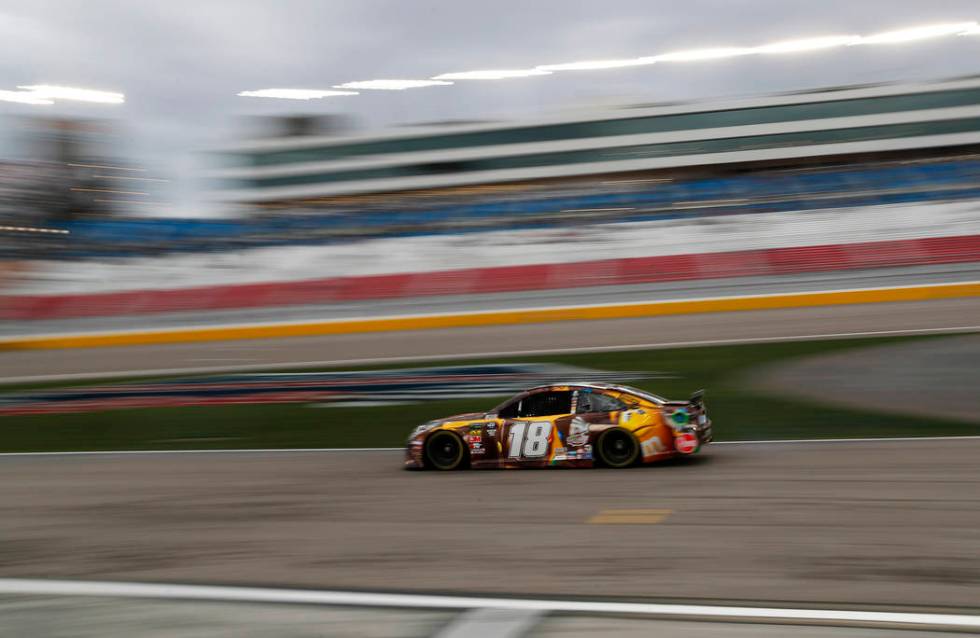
(491, 623)
(416, 601)
(316, 450)
(421, 358)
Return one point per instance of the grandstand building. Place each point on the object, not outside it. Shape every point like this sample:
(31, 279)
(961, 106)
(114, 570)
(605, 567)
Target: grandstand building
(693, 139)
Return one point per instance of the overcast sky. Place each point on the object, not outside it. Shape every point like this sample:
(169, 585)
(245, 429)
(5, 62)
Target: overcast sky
(181, 62)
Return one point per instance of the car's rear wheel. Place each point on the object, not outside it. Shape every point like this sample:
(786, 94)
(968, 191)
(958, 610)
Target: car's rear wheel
(617, 448)
(444, 451)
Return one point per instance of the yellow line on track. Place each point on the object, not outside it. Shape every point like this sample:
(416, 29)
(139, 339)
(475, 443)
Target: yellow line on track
(629, 517)
(493, 317)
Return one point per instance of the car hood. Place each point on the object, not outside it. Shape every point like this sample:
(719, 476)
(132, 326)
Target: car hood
(466, 416)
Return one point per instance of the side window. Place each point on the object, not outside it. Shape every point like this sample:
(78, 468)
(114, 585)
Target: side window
(545, 404)
(596, 402)
(510, 411)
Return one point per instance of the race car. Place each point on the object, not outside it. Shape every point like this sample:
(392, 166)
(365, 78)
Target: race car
(570, 425)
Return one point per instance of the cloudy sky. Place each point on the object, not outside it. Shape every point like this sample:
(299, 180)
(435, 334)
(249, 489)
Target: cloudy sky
(182, 62)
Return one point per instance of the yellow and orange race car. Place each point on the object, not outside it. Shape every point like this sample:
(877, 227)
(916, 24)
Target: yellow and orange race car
(569, 425)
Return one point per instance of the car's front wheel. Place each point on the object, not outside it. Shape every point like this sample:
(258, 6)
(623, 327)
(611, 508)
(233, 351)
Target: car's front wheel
(444, 451)
(617, 448)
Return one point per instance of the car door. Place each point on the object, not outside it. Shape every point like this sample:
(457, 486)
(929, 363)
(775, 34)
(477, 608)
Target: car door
(595, 406)
(593, 409)
(528, 430)
(600, 408)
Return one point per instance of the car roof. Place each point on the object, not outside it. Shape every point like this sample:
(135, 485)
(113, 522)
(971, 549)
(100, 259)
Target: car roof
(600, 386)
(572, 384)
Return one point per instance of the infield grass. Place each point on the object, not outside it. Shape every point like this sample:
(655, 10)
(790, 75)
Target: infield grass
(738, 413)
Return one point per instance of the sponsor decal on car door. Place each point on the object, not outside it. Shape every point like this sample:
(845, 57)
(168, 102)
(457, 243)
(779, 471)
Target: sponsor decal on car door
(528, 440)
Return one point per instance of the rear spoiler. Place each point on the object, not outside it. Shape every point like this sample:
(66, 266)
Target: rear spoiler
(697, 399)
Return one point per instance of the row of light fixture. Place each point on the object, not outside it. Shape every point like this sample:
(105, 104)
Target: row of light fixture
(788, 46)
(42, 94)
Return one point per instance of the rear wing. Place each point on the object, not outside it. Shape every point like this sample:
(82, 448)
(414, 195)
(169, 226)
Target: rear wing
(697, 398)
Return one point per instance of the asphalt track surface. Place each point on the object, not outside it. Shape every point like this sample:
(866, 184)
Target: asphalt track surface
(839, 524)
(345, 349)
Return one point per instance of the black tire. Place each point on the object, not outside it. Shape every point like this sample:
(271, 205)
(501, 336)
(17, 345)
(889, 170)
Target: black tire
(617, 448)
(444, 451)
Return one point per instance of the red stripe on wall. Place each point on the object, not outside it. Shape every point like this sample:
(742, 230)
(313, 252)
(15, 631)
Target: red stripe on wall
(773, 261)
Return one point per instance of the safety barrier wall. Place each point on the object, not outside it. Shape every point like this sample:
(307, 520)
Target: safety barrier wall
(773, 261)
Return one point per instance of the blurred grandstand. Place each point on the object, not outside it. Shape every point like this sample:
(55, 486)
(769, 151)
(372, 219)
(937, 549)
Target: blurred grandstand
(71, 181)
(636, 194)
(845, 147)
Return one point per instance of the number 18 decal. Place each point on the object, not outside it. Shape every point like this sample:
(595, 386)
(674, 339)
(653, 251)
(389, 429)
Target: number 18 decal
(528, 440)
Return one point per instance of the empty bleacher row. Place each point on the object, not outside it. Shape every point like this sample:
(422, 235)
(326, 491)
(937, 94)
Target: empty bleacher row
(595, 202)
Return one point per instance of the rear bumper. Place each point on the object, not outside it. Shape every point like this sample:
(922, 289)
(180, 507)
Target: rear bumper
(705, 432)
(691, 439)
